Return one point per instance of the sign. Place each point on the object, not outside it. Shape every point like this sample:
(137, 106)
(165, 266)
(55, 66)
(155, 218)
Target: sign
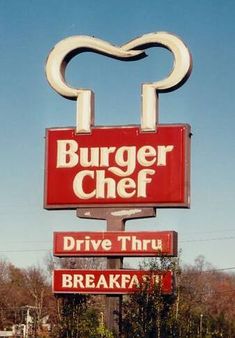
(110, 243)
(66, 49)
(109, 281)
(117, 166)
(101, 169)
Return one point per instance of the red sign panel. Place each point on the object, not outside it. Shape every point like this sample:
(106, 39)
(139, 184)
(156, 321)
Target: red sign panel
(117, 166)
(130, 244)
(109, 281)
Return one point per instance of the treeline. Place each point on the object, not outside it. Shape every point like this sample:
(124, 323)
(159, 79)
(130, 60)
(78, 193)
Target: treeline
(202, 306)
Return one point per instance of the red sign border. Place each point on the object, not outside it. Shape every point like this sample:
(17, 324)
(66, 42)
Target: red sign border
(184, 204)
(105, 292)
(172, 253)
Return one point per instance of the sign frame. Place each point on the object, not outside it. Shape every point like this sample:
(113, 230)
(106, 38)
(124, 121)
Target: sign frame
(185, 203)
(116, 243)
(167, 281)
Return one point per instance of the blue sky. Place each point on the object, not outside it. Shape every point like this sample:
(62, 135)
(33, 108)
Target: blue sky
(28, 105)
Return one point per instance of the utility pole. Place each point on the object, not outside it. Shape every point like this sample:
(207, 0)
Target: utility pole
(201, 317)
(27, 319)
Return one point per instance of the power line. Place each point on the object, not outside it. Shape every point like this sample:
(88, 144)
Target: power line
(207, 239)
(180, 241)
(211, 270)
(25, 250)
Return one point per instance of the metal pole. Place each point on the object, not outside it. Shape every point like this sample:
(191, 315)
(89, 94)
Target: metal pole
(201, 317)
(113, 304)
(27, 323)
(116, 218)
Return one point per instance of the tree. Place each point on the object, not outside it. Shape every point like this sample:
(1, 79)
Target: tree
(206, 304)
(38, 289)
(79, 315)
(23, 293)
(13, 294)
(148, 312)
(202, 306)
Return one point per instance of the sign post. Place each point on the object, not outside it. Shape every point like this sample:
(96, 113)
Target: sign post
(116, 173)
(116, 218)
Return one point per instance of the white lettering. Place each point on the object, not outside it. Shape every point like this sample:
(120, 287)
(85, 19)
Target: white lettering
(102, 282)
(66, 154)
(157, 244)
(88, 184)
(104, 155)
(94, 157)
(69, 243)
(103, 182)
(87, 243)
(67, 281)
(145, 244)
(106, 244)
(125, 157)
(113, 281)
(123, 240)
(162, 151)
(134, 282)
(90, 281)
(143, 180)
(78, 184)
(78, 280)
(124, 280)
(136, 244)
(109, 281)
(79, 243)
(145, 152)
(125, 184)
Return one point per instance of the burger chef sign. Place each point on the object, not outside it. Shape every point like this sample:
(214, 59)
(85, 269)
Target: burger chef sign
(146, 165)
